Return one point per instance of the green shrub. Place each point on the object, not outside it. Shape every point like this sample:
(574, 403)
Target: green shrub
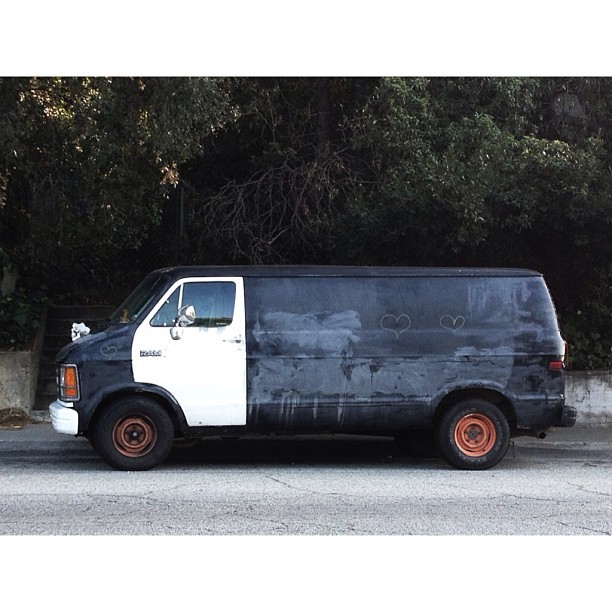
(20, 317)
(589, 334)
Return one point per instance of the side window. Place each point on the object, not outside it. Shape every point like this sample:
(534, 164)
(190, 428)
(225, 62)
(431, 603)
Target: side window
(165, 316)
(213, 303)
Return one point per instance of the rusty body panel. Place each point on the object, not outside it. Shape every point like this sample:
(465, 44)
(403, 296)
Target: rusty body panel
(379, 353)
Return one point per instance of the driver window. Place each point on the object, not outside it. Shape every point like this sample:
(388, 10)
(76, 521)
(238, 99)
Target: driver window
(213, 303)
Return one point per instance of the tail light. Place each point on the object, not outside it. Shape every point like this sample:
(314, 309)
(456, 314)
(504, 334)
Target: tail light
(68, 383)
(560, 364)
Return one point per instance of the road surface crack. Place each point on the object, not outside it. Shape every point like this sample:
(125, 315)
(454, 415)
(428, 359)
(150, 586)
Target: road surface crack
(583, 488)
(600, 531)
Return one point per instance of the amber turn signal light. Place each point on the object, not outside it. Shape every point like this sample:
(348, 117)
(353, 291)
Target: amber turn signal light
(68, 383)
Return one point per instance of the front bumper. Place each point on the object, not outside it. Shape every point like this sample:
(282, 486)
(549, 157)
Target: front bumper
(64, 418)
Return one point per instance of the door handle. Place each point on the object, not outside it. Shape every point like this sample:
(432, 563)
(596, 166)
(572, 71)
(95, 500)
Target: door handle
(236, 340)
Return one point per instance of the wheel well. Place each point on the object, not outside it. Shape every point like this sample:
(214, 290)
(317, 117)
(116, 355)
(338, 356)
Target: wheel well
(107, 401)
(490, 395)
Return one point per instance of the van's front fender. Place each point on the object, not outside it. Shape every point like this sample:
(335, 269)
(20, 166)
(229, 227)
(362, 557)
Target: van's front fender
(110, 394)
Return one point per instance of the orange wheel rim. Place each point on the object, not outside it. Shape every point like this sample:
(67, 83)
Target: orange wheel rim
(475, 435)
(134, 436)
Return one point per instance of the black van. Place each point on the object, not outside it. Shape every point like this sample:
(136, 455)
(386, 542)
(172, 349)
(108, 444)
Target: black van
(462, 359)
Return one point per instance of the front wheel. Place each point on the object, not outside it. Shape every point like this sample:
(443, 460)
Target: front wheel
(134, 434)
(473, 435)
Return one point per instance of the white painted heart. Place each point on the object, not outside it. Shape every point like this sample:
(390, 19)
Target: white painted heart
(108, 351)
(396, 324)
(452, 323)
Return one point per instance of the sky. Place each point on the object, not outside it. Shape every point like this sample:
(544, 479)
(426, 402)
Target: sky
(318, 37)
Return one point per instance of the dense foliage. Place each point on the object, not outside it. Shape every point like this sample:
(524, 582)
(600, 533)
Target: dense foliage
(103, 179)
(20, 317)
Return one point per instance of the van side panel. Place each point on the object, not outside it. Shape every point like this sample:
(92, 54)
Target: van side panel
(376, 354)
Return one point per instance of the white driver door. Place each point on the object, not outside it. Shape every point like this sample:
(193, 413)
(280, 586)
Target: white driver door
(203, 364)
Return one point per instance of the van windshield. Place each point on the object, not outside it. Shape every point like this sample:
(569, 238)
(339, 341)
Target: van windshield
(139, 300)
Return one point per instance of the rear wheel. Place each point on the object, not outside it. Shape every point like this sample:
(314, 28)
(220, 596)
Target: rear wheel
(473, 435)
(134, 434)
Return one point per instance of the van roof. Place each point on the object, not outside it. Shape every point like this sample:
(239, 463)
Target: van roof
(340, 271)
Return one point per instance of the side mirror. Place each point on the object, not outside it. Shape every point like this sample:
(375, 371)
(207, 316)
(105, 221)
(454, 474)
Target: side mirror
(186, 316)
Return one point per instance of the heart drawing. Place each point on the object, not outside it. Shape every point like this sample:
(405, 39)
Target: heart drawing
(452, 323)
(108, 351)
(396, 324)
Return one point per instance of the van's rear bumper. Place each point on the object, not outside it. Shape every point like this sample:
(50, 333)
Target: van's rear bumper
(568, 416)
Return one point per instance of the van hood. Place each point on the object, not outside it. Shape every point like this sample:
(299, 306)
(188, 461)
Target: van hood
(111, 344)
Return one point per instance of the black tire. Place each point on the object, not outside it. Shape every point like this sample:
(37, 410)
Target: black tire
(473, 435)
(90, 439)
(134, 433)
(418, 443)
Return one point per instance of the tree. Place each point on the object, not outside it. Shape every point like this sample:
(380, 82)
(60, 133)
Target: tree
(108, 178)
(512, 172)
(91, 162)
(279, 176)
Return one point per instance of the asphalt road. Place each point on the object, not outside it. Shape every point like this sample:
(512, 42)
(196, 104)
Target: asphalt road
(56, 485)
